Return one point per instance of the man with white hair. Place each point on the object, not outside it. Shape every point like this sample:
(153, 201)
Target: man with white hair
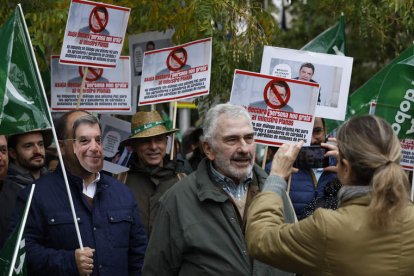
(200, 224)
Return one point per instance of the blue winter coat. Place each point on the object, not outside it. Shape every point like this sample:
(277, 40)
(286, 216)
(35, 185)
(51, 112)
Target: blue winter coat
(303, 189)
(112, 227)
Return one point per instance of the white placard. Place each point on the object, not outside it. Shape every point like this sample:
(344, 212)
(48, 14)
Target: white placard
(282, 110)
(407, 159)
(175, 73)
(106, 89)
(94, 34)
(141, 43)
(332, 72)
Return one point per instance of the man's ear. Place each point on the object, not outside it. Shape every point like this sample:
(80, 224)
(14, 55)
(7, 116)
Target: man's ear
(13, 153)
(208, 150)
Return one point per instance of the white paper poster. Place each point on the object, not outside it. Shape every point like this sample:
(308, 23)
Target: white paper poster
(176, 73)
(282, 110)
(106, 89)
(331, 72)
(94, 34)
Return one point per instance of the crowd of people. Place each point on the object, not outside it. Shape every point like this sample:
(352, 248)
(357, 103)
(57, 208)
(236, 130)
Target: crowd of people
(211, 209)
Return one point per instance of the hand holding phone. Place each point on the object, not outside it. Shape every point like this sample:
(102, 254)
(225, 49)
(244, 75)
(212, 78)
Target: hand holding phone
(312, 157)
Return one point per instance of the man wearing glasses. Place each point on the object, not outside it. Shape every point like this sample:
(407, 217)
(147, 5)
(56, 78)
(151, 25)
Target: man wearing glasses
(113, 237)
(313, 187)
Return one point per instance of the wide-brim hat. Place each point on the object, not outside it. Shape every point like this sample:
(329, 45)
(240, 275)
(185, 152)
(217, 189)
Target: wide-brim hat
(148, 124)
(46, 133)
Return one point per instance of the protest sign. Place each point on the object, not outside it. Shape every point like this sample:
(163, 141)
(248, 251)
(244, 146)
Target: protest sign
(114, 131)
(332, 72)
(23, 106)
(106, 89)
(407, 159)
(282, 110)
(140, 43)
(94, 34)
(176, 73)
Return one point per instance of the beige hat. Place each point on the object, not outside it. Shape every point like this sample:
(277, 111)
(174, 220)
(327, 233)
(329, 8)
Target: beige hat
(148, 124)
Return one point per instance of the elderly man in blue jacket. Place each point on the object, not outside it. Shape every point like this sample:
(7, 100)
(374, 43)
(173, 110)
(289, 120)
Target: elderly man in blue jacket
(113, 237)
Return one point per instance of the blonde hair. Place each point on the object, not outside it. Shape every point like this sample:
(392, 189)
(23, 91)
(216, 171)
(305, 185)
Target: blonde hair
(374, 152)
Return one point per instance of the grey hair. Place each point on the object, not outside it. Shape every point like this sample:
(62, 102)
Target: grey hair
(211, 118)
(86, 119)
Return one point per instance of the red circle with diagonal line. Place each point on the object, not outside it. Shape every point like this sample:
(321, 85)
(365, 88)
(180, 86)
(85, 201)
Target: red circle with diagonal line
(273, 94)
(177, 59)
(93, 73)
(98, 19)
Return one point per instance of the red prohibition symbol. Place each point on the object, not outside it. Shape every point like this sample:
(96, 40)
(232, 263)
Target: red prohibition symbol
(177, 59)
(276, 94)
(98, 19)
(92, 74)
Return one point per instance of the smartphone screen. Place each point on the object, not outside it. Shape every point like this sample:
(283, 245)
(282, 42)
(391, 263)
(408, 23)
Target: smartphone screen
(311, 157)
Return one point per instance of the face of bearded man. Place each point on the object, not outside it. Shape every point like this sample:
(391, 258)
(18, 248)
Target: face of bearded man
(233, 149)
(30, 151)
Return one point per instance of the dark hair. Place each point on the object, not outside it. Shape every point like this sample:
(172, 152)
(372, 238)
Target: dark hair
(179, 50)
(60, 125)
(12, 141)
(308, 65)
(87, 119)
(102, 9)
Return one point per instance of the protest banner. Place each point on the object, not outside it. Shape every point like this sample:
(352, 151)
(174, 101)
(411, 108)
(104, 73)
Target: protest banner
(140, 43)
(332, 72)
(282, 110)
(23, 108)
(106, 89)
(94, 34)
(407, 159)
(176, 73)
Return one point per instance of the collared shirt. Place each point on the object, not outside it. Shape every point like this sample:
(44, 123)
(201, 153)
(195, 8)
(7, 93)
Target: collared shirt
(90, 189)
(237, 192)
(317, 172)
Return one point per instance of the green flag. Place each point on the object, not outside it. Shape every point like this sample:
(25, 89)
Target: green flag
(393, 90)
(22, 102)
(13, 254)
(330, 41)
(6, 255)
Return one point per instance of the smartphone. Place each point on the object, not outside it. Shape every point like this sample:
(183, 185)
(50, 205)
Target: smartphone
(312, 157)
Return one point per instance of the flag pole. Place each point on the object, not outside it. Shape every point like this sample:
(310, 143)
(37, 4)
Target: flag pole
(21, 229)
(173, 126)
(85, 73)
(54, 133)
(265, 157)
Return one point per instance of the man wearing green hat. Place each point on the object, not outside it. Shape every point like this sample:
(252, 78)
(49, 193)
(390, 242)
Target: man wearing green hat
(152, 172)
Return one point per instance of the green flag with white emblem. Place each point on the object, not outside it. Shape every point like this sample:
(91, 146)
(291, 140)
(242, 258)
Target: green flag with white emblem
(393, 90)
(13, 253)
(22, 102)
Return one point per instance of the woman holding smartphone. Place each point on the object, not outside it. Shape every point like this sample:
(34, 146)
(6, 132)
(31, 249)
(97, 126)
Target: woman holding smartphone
(372, 231)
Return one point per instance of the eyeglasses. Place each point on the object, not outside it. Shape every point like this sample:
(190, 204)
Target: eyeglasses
(317, 130)
(86, 140)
